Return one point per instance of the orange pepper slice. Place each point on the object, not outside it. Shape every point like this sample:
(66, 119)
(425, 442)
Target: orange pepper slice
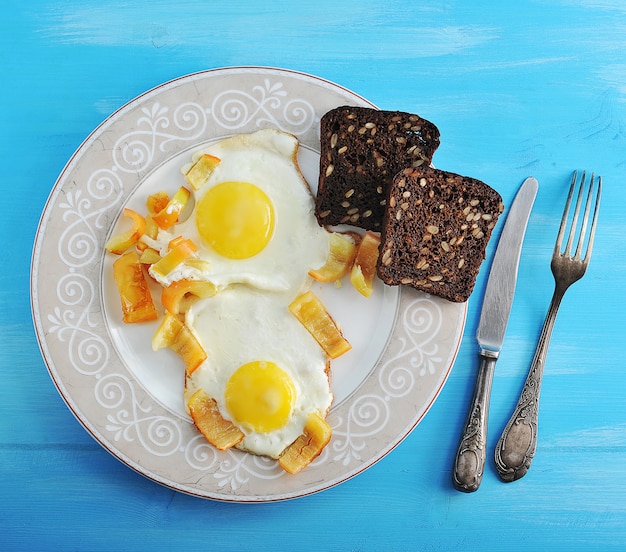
(364, 267)
(137, 304)
(157, 202)
(168, 216)
(221, 433)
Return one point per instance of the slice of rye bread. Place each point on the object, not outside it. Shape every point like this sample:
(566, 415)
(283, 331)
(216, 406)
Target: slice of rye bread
(361, 151)
(435, 232)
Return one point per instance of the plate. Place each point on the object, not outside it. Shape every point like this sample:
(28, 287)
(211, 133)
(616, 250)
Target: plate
(128, 397)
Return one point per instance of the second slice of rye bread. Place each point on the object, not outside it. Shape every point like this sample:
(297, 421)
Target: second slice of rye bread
(436, 229)
(361, 151)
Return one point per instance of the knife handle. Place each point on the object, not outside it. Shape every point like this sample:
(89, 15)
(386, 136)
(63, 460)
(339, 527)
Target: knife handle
(469, 462)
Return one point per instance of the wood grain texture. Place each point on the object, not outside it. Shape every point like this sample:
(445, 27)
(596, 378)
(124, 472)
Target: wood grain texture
(527, 88)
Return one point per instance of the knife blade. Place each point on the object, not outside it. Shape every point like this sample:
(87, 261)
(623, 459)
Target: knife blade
(469, 462)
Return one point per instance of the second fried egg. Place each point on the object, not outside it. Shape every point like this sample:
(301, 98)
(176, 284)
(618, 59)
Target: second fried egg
(264, 370)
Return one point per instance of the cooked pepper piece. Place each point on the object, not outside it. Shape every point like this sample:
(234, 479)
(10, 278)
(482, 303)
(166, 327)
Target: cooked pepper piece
(181, 249)
(308, 446)
(175, 297)
(149, 256)
(123, 241)
(168, 216)
(173, 334)
(343, 248)
(221, 433)
(151, 231)
(157, 202)
(312, 313)
(137, 304)
(200, 171)
(364, 267)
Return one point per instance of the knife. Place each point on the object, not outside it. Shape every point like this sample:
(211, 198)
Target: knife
(469, 462)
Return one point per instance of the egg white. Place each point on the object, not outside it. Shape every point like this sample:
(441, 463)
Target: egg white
(267, 159)
(241, 325)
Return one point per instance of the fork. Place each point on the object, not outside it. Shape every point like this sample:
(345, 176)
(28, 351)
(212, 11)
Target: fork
(516, 447)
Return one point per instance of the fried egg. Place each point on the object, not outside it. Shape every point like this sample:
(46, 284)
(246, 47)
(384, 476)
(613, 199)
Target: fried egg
(264, 370)
(253, 219)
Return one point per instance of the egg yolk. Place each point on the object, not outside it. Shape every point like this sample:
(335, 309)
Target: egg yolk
(260, 396)
(236, 219)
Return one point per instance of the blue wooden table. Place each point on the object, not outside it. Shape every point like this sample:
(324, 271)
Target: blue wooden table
(530, 88)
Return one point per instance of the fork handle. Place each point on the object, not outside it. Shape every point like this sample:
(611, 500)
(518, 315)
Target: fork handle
(517, 444)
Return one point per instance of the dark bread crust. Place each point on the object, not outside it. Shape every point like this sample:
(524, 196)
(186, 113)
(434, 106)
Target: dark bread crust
(361, 151)
(435, 232)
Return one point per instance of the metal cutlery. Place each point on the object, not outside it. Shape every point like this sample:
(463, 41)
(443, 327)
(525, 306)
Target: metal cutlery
(516, 447)
(469, 463)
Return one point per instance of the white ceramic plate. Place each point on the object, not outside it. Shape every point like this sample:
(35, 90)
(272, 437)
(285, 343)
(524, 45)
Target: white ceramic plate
(128, 397)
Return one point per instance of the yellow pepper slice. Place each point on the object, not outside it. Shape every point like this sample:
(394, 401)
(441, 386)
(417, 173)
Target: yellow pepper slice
(201, 170)
(173, 334)
(148, 256)
(175, 297)
(340, 258)
(312, 313)
(308, 446)
(181, 250)
(123, 241)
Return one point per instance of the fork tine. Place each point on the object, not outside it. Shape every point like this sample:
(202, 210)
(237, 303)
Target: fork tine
(564, 218)
(572, 233)
(583, 226)
(592, 234)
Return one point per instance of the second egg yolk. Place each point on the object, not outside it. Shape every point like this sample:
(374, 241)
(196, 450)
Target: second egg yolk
(260, 396)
